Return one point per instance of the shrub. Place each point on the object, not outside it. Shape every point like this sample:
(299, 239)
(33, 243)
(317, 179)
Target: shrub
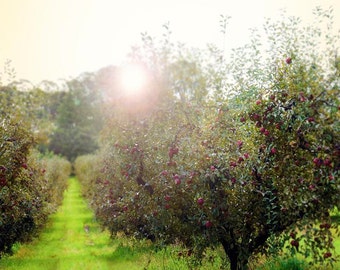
(30, 186)
(86, 170)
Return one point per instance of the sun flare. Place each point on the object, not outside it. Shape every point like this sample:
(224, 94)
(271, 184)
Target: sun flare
(133, 78)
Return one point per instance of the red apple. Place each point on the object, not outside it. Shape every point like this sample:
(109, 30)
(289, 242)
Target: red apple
(208, 224)
(302, 97)
(327, 162)
(173, 151)
(3, 181)
(325, 226)
(327, 255)
(233, 164)
(177, 179)
(255, 117)
(295, 243)
(317, 162)
(311, 187)
(24, 165)
(200, 201)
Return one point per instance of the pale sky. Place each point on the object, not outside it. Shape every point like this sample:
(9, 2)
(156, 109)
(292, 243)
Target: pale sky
(59, 39)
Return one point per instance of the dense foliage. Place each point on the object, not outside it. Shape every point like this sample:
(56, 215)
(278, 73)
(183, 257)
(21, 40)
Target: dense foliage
(31, 183)
(242, 154)
(31, 186)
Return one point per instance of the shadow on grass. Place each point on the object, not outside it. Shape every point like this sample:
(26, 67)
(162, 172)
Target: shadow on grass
(127, 252)
(336, 219)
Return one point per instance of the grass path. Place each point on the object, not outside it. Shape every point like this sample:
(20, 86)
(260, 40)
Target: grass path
(71, 240)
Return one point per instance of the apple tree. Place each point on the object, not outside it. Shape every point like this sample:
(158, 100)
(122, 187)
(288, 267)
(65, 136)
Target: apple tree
(247, 169)
(31, 185)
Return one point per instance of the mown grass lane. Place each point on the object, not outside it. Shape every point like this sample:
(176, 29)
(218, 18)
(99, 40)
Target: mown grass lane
(71, 240)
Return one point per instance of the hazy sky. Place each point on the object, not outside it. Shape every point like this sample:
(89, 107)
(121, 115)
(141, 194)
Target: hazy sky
(54, 39)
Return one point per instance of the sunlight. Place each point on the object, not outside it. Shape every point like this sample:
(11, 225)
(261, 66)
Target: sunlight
(133, 78)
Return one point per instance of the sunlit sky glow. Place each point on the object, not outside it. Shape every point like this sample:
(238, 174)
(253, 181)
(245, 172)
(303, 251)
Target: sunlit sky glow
(56, 39)
(133, 78)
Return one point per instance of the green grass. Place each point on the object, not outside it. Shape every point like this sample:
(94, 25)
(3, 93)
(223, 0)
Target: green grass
(285, 264)
(72, 239)
(66, 244)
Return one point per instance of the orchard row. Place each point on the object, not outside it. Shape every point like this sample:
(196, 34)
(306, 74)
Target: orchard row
(242, 155)
(31, 185)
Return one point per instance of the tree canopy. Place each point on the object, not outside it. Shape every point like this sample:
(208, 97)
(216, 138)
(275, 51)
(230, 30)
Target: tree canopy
(242, 154)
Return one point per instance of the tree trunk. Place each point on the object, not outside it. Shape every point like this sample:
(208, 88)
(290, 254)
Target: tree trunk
(237, 260)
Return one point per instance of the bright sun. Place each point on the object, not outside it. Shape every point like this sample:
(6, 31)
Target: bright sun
(133, 78)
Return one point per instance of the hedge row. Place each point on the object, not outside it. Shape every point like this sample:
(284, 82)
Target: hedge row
(86, 169)
(31, 185)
